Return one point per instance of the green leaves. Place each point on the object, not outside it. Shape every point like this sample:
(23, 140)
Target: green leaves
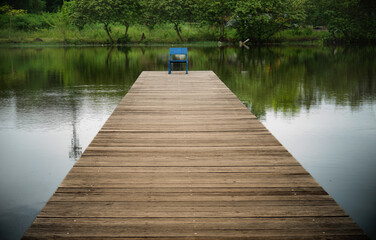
(259, 20)
(347, 21)
(167, 11)
(8, 10)
(106, 12)
(62, 20)
(216, 12)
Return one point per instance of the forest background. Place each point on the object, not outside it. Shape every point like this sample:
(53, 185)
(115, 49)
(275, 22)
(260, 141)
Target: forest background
(187, 21)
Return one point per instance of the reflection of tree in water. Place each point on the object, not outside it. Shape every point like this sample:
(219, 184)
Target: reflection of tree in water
(75, 149)
(290, 79)
(125, 50)
(282, 79)
(109, 55)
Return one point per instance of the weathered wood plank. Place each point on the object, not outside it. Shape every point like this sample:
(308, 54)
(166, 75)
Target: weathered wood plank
(244, 191)
(297, 169)
(186, 209)
(95, 196)
(182, 158)
(182, 228)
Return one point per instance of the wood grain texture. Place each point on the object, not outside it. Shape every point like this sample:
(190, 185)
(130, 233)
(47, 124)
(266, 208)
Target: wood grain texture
(182, 158)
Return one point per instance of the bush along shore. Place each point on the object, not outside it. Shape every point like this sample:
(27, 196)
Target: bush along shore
(140, 34)
(259, 22)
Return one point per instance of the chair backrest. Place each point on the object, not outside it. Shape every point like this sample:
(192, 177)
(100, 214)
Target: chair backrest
(178, 51)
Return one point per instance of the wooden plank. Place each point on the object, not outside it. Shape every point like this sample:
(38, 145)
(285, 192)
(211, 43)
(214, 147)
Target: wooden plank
(244, 191)
(184, 227)
(96, 196)
(182, 158)
(259, 169)
(189, 209)
(207, 228)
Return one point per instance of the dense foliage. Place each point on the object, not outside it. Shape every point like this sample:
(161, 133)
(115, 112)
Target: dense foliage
(348, 20)
(258, 20)
(35, 6)
(217, 13)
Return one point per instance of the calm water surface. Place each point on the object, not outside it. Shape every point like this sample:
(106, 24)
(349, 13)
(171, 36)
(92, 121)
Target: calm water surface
(319, 102)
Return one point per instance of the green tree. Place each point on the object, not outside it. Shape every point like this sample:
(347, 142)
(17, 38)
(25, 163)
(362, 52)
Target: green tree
(129, 12)
(259, 20)
(97, 11)
(170, 11)
(314, 10)
(367, 19)
(62, 19)
(53, 5)
(216, 12)
(31, 6)
(149, 13)
(106, 12)
(37, 6)
(350, 20)
(8, 10)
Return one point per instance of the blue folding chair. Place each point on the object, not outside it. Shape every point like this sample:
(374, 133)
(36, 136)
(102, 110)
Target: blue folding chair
(178, 51)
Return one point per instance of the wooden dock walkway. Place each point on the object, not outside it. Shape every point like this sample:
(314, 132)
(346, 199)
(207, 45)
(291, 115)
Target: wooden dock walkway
(182, 158)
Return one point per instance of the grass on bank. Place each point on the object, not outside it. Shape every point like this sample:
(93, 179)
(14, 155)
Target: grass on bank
(160, 34)
(302, 34)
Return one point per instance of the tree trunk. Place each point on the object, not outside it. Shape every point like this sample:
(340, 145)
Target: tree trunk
(64, 35)
(143, 37)
(276, 30)
(108, 32)
(126, 28)
(222, 32)
(10, 25)
(177, 31)
(109, 55)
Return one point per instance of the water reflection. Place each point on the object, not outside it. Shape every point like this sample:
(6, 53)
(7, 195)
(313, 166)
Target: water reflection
(53, 101)
(291, 79)
(282, 79)
(75, 150)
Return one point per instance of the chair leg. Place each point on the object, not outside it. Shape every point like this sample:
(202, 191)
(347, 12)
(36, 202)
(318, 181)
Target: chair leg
(169, 67)
(186, 67)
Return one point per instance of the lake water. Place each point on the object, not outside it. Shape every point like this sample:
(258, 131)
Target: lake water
(320, 103)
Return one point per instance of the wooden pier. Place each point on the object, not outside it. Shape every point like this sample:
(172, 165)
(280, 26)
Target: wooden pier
(182, 158)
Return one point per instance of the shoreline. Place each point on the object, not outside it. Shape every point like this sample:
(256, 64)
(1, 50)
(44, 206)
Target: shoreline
(313, 42)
